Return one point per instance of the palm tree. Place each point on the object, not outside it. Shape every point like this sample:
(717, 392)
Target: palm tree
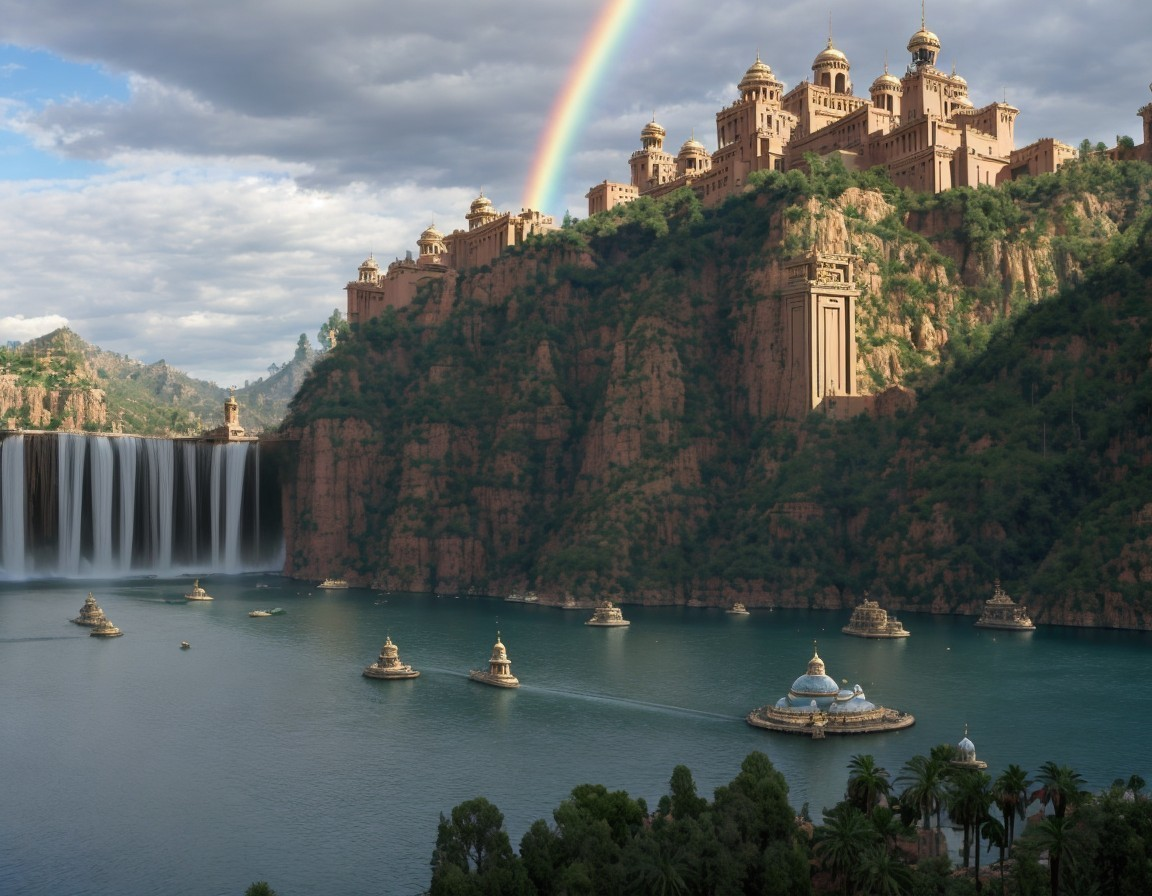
(867, 782)
(661, 866)
(1010, 793)
(1136, 784)
(996, 835)
(1053, 835)
(840, 843)
(1060, 786)
(923, 780)
(883, 874)
(968, 800)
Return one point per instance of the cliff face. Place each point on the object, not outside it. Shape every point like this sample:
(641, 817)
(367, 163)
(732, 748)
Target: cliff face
(607, 414)
(44, 407)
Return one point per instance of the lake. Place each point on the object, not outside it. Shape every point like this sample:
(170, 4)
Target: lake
(261, 753)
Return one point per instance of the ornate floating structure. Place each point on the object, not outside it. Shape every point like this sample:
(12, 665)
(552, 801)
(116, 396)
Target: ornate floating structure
(499, 672)
(517, 597)
(90, 613)
(738, 609)
(333, 585)
(1001, 612)
(870, 620)
(817, 706)
(388, 665)
(197, 593)
(966, 755)
(607, 616)
(105, 629)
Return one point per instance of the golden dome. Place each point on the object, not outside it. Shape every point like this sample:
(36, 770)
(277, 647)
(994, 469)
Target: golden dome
(886, 82)
(829, 54)
(652, 129)
(481, 204)
(433, 234)
(923, 39)
(815, 665)
(759, 73)
(692, 146)
(369, 262)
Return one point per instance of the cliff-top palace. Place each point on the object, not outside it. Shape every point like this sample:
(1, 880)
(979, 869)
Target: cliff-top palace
(922, 128)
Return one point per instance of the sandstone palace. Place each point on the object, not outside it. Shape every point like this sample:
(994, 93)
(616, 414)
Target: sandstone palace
(922, 128)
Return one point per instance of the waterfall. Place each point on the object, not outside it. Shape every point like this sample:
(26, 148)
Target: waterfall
(12, 505)
(106, 506)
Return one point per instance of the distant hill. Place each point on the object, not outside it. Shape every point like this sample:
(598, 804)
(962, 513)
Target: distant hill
(59, 381)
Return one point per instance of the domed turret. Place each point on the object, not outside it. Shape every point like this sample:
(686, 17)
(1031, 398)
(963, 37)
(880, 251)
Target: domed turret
(431, 243)
(480, 212)
(369, 270)
(830, 69)
(759, 82)
(499, 668)
(924, 47)
(652, 136)
(693, 158)
(966, 754)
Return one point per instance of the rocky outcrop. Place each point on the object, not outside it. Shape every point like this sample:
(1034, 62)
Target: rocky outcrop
(45, 407)
(613, 419)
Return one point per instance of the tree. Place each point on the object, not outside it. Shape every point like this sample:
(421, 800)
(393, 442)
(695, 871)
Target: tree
(841, 842)
(995, 833)
(867, 783)
(1061, 786)
(260, 888)
(332, 330)
(473, 854)
(924, 787)
(968, 800)
(303, 349)
(1053, 835)
(683, 801)
(1010, 793)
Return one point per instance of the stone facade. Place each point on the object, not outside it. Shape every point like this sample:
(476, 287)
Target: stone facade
(922, 127)
(490, 233)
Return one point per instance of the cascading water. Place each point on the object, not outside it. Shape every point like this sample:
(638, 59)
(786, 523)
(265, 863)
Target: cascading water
(12, 505)
(109, 506)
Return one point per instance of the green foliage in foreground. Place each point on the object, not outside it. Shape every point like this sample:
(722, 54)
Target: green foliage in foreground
(748, 840)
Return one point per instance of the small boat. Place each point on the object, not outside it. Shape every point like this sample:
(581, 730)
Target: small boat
(333, 584)
(607, 616)
(737, 609)
(528, 597)
(197, 593)
(184, 645)
(499, 672)
(258, 614)
(105, 629)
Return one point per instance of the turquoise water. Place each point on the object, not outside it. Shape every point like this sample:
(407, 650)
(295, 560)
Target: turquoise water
(261, 753)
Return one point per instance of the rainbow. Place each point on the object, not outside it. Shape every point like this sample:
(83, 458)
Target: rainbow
(571, 106)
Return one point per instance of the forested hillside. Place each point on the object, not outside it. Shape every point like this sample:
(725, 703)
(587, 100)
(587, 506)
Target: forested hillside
(604, 413)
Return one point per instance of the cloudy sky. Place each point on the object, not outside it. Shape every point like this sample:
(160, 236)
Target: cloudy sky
(197, 181)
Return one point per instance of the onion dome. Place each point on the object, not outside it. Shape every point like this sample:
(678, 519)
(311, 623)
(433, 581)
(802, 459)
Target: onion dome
(758, 75)
(499, 653)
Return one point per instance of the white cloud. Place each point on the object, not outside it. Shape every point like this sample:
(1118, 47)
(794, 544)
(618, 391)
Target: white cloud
(19, 328)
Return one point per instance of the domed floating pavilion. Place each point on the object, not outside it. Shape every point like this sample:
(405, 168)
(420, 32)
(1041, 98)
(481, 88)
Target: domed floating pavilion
(966, 754)
(817, 706)
(1001, 612)
(105, 629)
(90, 613)
(388, 665)
(607, 616)
(870, 620)
(499, 672)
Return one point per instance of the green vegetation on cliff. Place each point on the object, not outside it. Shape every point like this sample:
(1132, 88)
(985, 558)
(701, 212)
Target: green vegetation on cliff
(607, 411)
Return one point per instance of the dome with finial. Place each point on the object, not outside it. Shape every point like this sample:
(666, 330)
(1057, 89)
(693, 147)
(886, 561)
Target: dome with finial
(885, 82)
(370, 262)
(481, 204)
(432, 233)
(499, 653)
(829, 54)
(759, 74)
(924, 47)
(652, 129)
(692, 146)
(814, 684)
